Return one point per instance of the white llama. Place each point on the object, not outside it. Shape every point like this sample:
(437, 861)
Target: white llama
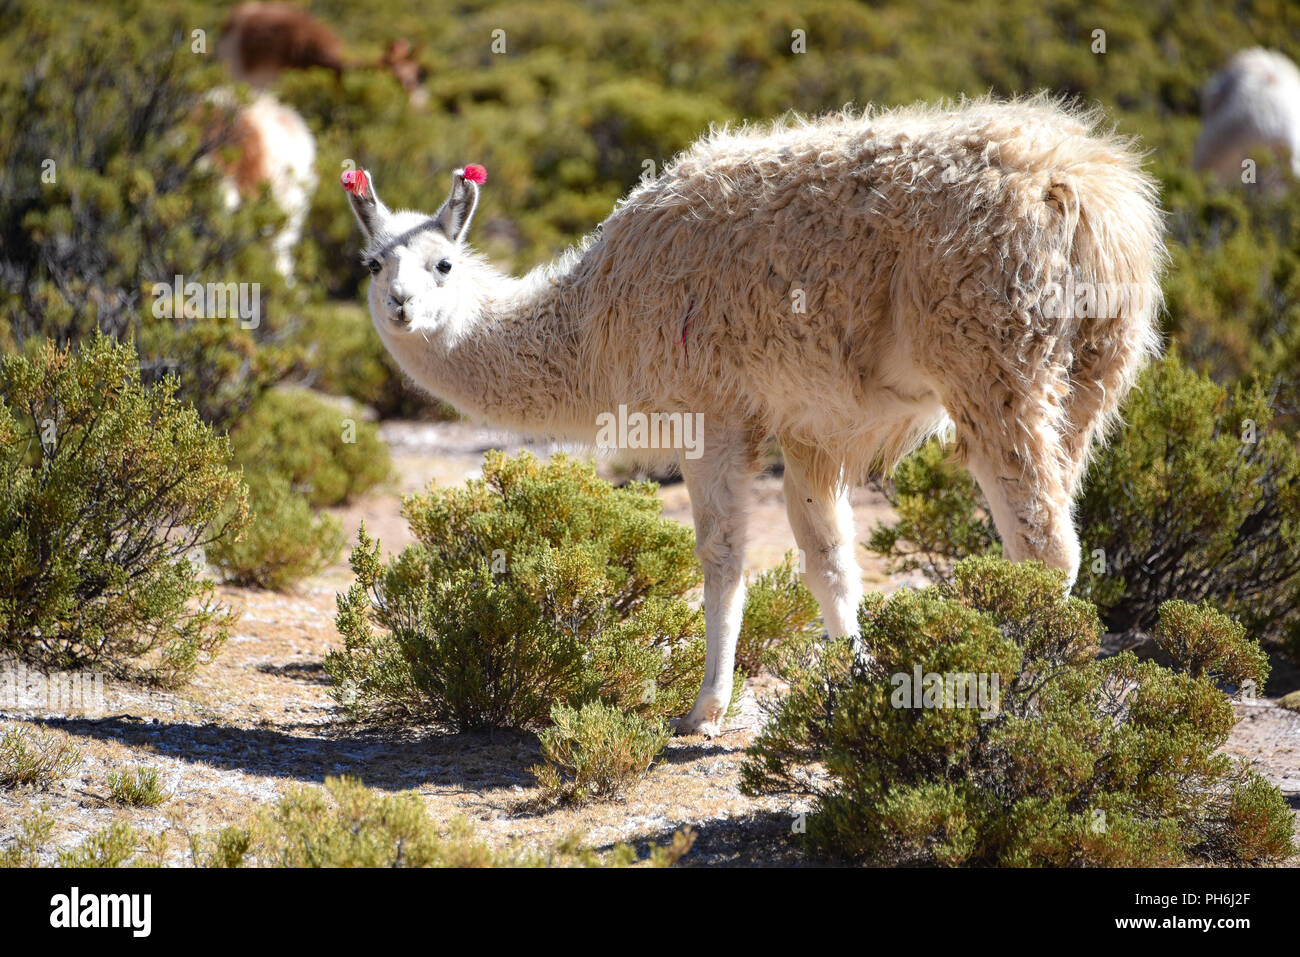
(274, 146)
(845, 284)
(1252, 103)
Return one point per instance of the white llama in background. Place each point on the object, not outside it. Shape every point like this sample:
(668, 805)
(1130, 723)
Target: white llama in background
(1253, 103)
(273, 146)
(846, 284)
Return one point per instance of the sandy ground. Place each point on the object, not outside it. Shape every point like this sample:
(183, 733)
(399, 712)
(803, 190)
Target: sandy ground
(259, 719)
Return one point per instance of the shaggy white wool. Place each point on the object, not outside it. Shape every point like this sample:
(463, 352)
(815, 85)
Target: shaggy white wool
(848, 284)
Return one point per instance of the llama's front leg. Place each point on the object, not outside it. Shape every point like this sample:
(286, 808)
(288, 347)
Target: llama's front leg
(719, 483)
(822, 521)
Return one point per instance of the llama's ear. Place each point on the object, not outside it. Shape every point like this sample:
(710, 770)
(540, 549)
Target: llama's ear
(454, 217)
(365, 202)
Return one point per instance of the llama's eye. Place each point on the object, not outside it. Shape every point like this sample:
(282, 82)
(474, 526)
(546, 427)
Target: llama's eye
(374, 265)
(443, 266)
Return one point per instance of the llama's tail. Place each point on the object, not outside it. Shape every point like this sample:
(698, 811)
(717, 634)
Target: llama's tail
(1116, 257)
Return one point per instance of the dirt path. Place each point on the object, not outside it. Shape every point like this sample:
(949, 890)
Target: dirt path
(259, 719)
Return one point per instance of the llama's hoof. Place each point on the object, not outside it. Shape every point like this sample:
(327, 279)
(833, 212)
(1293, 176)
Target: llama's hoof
(705, 720)
(686, 727)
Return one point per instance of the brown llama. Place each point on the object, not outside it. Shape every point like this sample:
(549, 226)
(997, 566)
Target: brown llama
(261, 40)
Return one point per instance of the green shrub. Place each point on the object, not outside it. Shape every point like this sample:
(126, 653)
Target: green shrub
(106, 489)
(596, 752)
(285, 541)
(324, 451)
(1233, 293)
(32, 836)
(116, 845)
(298, 452)
(535, 585)
(87, 243)
(1208, 645)
(346, 824)
(942, 517)
(781, 617)
(137, 787)
(229, 847)
(1059, 759)
(36, 759)
(359, 828)
(1196, 495)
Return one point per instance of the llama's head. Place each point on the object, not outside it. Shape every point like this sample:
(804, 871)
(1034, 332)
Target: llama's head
(414, 257)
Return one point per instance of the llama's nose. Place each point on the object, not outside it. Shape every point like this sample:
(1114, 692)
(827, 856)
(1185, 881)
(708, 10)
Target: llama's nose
(398, 299)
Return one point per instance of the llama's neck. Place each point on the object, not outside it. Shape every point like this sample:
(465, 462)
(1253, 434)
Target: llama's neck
(510, 354)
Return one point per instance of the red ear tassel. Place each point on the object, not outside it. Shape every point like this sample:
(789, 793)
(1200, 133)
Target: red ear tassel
(354, 181)
(476, 174)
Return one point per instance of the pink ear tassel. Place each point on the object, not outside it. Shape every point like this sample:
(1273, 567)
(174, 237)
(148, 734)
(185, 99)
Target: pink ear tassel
(476, 174)
(354, 181)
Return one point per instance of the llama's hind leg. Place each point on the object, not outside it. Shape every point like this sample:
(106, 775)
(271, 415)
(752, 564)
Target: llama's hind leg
(822, 521)
(1014, 447)
(1101, 375)
(719, 483)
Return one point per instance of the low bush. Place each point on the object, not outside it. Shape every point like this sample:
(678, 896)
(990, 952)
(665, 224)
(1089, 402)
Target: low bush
(326, 453)
(137, 787)
(116, 845)
(38, 759)
(346, 824)
(1196, 495)
(342, 824)
(781, 617)
(107, 490)
(987, 732)
(285, 541)
(596, 752)
(942, 516)
(535, 585)
(30, 838)
(299, 452)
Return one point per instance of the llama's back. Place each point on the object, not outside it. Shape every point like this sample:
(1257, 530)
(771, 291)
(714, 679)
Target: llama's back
(259, 40)
(830, 267)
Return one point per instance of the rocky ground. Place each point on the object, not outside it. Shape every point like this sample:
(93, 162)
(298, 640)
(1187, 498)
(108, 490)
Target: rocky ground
(260, 720)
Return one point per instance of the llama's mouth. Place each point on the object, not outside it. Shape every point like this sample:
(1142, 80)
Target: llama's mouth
(408, 319)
